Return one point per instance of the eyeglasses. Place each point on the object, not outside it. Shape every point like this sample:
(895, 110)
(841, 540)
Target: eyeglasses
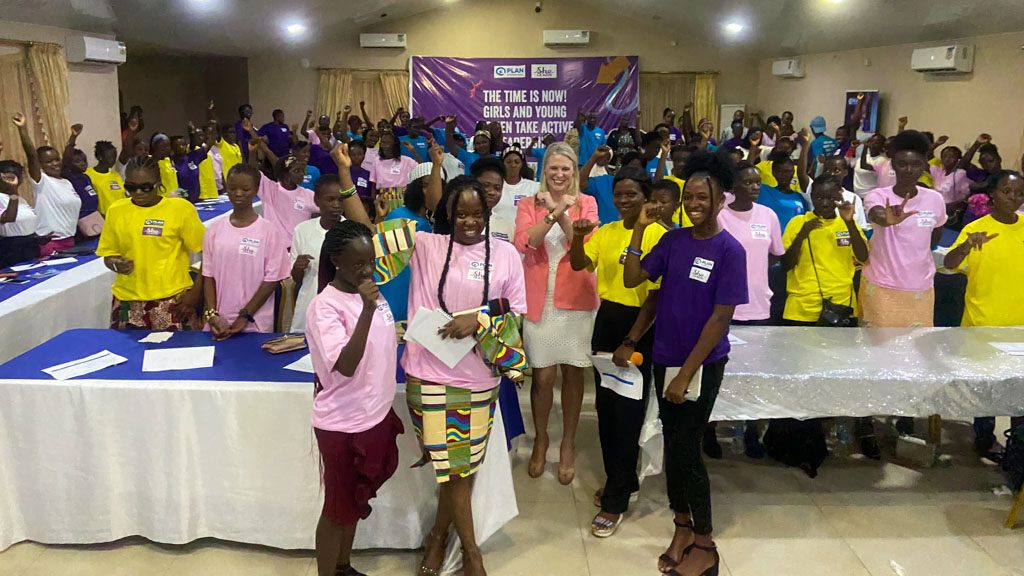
(132, 188)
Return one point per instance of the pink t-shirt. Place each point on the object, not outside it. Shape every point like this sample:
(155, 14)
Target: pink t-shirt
(955, 187)
(372, 157)
(392, 173)
(886, 175)
(286, 208)
(463, 290)
(901, 256)
(239, 260)
(359, 402)
(758, 231)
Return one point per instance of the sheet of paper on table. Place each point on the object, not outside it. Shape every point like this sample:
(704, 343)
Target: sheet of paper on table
(83, 366)
(157, 337)
(189, 358)
(733, 340)
(304, 364)
(32, 266)
(423, 331)
(1011, 348)
(626, 382)
(59, 261)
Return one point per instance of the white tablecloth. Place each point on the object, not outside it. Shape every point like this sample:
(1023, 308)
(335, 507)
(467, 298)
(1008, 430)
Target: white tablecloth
(93, 461)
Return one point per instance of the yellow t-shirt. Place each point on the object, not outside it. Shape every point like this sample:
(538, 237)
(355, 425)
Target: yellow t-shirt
(158, 239)
(995, 274)
(168, 176)
(765, 168)
(207, 181)
(109, 187)
(926, 176)
(230, 155)
(680, 213)
(833, 260)
(606, 249)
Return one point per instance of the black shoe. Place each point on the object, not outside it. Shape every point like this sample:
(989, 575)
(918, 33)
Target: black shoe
(752, 446)
(712, 448)
(869, 448)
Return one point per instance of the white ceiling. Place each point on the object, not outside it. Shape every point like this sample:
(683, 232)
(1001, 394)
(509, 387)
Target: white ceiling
(772, 27)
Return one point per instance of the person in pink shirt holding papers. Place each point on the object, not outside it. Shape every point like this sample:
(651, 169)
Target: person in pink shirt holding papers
(285, 202)
(352, 343)
(244, 258)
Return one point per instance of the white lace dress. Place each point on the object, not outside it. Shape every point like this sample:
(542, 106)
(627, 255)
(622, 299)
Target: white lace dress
(561, 336)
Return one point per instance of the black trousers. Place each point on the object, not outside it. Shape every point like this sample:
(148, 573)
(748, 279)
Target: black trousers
(689, 490)
(619, 420)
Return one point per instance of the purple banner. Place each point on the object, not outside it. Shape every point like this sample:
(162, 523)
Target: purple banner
(528, 96)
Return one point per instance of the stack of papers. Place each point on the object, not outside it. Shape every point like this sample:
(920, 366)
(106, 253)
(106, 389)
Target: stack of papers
(423, 331)
(83, 366)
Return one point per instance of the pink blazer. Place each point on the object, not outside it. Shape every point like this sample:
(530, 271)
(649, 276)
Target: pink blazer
(573, 290)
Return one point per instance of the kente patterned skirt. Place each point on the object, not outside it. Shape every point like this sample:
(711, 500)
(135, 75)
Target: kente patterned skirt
(452, 424)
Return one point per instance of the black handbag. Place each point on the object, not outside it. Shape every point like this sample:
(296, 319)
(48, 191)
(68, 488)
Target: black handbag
(832, 315)
(1013, 458)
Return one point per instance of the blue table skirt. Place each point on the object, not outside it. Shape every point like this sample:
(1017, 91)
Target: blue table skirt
(238, 359)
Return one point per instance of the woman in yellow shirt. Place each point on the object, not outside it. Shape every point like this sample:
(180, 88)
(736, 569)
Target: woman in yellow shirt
(146, 241)
(621, 326)
(108, 183)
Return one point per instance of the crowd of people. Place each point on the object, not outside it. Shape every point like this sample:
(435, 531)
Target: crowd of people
(651, 242)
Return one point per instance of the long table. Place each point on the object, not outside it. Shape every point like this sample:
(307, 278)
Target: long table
(77, 297)
(225, 452)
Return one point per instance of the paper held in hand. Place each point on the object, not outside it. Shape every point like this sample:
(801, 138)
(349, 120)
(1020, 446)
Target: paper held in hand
(693, 392)
(624, 381)
(423, 330)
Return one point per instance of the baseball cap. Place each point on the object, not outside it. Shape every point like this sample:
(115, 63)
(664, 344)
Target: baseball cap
(818, 125)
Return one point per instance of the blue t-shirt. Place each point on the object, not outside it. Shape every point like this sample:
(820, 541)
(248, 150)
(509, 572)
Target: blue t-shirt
(396, 292)
(467, 158)
(786, 205)
(600, 187)
(652, 167)
(421, 146)
(538, 153)
(312, 175)
(279, 137)
(590, 139)
(354, 136)
(822, 145)
(696, 275)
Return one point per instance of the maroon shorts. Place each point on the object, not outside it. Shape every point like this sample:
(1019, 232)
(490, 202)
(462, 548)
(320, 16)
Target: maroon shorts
(355, 466)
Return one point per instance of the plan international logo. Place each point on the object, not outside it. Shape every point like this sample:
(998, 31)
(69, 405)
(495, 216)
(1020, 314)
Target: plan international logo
(544, 71)
(517, 71)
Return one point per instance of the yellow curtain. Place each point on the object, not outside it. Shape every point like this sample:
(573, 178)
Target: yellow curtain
(396, 89)
(659, 91)
(15, 97)
(367, 87)
(705, 104)
(49, 72)
(334, 92)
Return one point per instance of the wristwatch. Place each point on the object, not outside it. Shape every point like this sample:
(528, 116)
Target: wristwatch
(550, 218)
(246, 314)
(628, 342)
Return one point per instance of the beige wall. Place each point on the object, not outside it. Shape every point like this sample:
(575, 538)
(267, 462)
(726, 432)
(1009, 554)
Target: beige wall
(92, 88)
(491, 28)
(961, 106)
(174, 89)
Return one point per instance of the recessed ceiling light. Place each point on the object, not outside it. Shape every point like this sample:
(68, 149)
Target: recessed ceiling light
(295, 29)
(734, 27)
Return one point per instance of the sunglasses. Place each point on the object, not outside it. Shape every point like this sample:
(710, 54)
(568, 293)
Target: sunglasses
(132, 188)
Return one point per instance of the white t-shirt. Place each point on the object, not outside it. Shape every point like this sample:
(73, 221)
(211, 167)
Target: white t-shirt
(24, 222)
(57, 206)
(865, 181)
(859, 216)
(503, 215)
(452, 166)
(308, 239)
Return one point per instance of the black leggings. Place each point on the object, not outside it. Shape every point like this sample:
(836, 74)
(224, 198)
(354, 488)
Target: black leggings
(619, 419)
(689, 491)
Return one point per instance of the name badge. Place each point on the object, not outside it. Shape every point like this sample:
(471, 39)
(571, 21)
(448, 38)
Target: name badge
(361, 182)
(699, 274)
(476, 271)
(90, 190)
(386, 314)
(517, 198)
(708, 264)
(396, 169)
(926, 219)
(843, 238)
(283, 129)
(500, 236)
(192, 166)
(300, 205)
(152, 231)
(115, 186)
(622, 257)
(759, 231)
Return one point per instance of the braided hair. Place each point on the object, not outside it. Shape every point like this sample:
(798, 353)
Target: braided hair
(146, 163)
(244, 169)
(454, 192)
(336, 240)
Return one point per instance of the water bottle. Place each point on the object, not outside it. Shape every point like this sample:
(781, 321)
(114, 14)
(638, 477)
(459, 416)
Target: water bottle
(843, 437)
(737, 445)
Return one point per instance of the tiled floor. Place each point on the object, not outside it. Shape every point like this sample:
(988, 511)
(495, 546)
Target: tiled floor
(857, 518)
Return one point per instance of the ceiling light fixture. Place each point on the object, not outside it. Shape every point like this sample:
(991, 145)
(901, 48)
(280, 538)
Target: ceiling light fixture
(734, 27)
(295, 29)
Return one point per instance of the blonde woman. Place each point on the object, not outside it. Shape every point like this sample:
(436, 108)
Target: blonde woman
(559, 301)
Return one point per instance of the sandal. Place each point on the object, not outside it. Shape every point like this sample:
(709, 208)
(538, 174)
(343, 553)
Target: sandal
(432, 539)
(347, 571)
(668, 561)
(711, 570)
(602, 527)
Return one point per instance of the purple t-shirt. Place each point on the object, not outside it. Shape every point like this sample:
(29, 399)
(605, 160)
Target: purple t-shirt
(696, 275)
(279, 138)
(322, 160)
(83, 186)
(361, 178)
(187, 168)
(243, 139)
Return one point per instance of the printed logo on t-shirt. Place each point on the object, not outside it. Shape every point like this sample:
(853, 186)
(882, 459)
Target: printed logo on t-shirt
(396, 168)
(758, 231)
(283, 129)
(500, 236)
(249, 246)
(192, 166)
(925, 219)
(90, 190)
(517, 198)
(361, 182)
(385, 311)
(843, 238)
(476, 271)
(708, 264)
(152, 231)
(622, 257)
(699, 274)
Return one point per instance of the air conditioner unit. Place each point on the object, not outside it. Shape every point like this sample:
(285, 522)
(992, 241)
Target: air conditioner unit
(790, 68)
(566, 37)
(382, 40)
(953, 59)
(93, 50)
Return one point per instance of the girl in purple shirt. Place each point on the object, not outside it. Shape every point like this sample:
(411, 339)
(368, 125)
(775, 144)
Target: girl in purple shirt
(700, 290)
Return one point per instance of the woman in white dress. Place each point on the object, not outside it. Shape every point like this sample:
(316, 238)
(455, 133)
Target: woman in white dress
(560, 303)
